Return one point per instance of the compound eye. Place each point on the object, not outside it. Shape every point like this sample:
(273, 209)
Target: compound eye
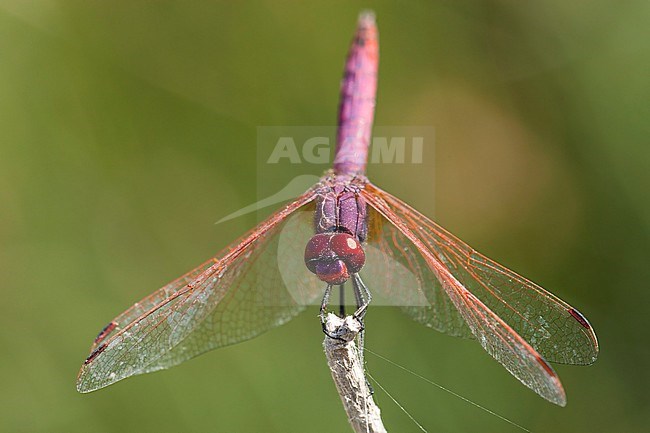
(348, 249)
(317, 248)
(332, 272)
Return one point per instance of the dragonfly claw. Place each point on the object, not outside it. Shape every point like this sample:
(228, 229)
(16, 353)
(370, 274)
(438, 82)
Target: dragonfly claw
(332, 335)
(343, 329)
(359, 319)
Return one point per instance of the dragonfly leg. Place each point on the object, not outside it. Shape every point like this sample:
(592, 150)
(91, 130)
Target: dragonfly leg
(363, 298)
(324, 303)
(342, 300)
(323, 312)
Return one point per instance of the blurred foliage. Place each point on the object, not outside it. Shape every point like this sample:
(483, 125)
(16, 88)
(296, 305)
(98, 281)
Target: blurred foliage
(128, 128)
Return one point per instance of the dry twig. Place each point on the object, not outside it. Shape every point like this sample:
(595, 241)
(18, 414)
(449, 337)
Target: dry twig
(348, 374)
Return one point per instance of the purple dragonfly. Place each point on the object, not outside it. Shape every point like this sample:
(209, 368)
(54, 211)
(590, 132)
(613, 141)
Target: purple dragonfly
(346, 232)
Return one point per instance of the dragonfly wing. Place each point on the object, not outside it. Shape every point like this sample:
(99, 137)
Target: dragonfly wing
(150, 302)
(495, 336)
(231, 298)
(398, 275)
(503, 343)
(555, 329)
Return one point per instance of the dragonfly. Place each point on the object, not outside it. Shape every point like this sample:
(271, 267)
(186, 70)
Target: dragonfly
(345, 232)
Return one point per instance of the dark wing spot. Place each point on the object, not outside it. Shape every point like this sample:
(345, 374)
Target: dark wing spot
(547, 367)
(93, 355)
(105, 331)
(580, 318)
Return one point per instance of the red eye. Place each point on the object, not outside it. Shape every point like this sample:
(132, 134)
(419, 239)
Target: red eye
(316, 249)
(334, 256)
(332, 272)
(348, 249)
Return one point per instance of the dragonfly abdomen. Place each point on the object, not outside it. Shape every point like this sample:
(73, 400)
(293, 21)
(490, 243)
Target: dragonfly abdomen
(358, 90)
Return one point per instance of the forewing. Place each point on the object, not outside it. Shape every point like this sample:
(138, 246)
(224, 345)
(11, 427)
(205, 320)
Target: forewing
(231, 298)
(145, 305)
(397, 274)
(559, 332)
(495, 336)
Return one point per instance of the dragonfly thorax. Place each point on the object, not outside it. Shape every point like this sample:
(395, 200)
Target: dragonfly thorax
(334, 256)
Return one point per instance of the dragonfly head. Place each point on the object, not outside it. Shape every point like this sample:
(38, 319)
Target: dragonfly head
(333, 257)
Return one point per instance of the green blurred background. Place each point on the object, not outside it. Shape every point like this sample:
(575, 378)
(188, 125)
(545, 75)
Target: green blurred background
(128, 128)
